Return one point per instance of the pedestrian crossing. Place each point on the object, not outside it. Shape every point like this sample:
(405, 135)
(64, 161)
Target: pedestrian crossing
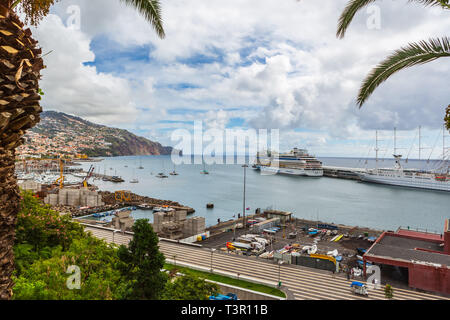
(303, 283)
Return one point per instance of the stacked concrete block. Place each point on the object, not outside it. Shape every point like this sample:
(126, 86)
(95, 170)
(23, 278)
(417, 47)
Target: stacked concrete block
(63, 196)
(92, 201)
(100, 200)
(53, 199)
(31, 186)
(198, 225)
(180, 216)
(187, 228)
(73, 197)
(158, 219)
(122, 220)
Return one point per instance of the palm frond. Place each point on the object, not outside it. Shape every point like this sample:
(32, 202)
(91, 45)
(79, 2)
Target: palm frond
(411, 55)
(354, 6)
(151, 10)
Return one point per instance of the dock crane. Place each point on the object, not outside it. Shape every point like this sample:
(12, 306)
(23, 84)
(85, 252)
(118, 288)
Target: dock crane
(60, 180)
(88, 175)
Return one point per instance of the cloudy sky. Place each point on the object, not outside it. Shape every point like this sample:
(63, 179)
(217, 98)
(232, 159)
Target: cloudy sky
(240, 64)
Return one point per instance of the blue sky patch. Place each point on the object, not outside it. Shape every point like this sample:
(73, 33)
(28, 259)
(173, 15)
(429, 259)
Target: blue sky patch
(111, 57)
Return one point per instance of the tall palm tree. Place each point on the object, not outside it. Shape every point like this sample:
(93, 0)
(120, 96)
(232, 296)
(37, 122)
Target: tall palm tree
(20, 66)
(411, 55)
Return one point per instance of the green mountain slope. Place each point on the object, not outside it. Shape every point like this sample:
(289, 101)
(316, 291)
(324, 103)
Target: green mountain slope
(62, 133)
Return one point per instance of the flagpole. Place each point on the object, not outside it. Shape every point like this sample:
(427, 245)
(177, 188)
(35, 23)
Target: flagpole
(243, 208)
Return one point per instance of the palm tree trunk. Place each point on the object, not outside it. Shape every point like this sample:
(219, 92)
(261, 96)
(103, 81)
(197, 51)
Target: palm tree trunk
(9, 206)
(5, 6)
(20, 66)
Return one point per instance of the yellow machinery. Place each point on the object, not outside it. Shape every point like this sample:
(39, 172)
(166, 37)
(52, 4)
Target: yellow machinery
(122, 195)
(324, 257)
(88, 175)
(60, 180)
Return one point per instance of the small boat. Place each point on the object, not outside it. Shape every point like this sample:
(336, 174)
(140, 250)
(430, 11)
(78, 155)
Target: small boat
(116, 179)
(134, 181)
(334, 238)
(140, 164)
(157, 209)
(173, 173)
(161, 175)
(338, 238)
(210, 205)
(332, 253)
(145, 206)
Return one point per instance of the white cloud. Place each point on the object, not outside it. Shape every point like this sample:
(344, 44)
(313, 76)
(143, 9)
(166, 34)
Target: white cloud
(72, 87)
(278, 65)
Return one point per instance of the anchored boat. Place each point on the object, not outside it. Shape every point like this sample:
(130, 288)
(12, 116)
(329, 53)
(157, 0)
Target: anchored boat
(297, 162)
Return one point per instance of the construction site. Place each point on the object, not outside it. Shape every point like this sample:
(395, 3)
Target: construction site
(174, 225)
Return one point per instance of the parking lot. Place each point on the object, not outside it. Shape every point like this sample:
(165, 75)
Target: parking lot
(295, 235)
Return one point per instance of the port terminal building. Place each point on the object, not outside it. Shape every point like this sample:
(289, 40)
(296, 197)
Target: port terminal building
(423, 257)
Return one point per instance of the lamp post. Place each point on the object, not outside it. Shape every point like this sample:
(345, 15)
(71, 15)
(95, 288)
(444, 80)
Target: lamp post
(175, 260)
(279, 272)
(243, 205)
(212, 252)
(114, 233)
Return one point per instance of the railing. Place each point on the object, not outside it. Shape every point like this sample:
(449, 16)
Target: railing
(409, 228)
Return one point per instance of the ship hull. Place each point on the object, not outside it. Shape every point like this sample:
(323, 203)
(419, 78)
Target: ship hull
(292, 172)
(406, 182)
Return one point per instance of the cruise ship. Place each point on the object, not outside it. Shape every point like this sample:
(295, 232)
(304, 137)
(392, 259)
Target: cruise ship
(297, 162)
(439, 180)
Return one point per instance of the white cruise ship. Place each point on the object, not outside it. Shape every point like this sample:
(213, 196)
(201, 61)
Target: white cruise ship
(409, 178)
(297, 162)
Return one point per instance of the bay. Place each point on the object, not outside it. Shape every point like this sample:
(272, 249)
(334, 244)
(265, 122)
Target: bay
(327, 199)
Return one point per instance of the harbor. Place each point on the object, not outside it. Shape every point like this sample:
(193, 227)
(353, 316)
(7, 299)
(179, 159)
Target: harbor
(344, 201)
(290, 231)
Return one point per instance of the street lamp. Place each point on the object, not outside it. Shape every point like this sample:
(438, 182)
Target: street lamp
(114, 232)
(243, 208)
(212, 252)
(279, 272)
(175, 260)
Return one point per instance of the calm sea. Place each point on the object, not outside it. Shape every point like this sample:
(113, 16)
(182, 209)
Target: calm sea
(330, 200)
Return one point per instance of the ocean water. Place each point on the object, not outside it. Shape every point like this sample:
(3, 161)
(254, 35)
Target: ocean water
(327, 199)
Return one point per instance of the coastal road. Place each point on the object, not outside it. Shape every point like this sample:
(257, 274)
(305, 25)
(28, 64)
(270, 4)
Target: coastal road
(302, 283)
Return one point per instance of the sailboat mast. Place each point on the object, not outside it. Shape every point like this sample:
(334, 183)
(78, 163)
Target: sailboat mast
(443, 142)
(420, 141)
(395, 141)
(376, 148)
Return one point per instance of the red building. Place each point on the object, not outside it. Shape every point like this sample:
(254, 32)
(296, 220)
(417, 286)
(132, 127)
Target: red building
(426, 256)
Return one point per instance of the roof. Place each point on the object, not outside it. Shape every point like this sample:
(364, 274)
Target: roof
(279, 213)
(403, 248)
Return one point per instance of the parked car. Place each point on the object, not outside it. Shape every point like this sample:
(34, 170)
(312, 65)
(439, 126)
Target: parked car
(359, 288)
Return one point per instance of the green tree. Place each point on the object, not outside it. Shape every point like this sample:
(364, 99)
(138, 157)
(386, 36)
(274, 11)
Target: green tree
(21, 64)
(189, 287)
(447, 117)
(47, 278)
(41, 227)
(411, 55)
(388, 291)
(142, 263)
